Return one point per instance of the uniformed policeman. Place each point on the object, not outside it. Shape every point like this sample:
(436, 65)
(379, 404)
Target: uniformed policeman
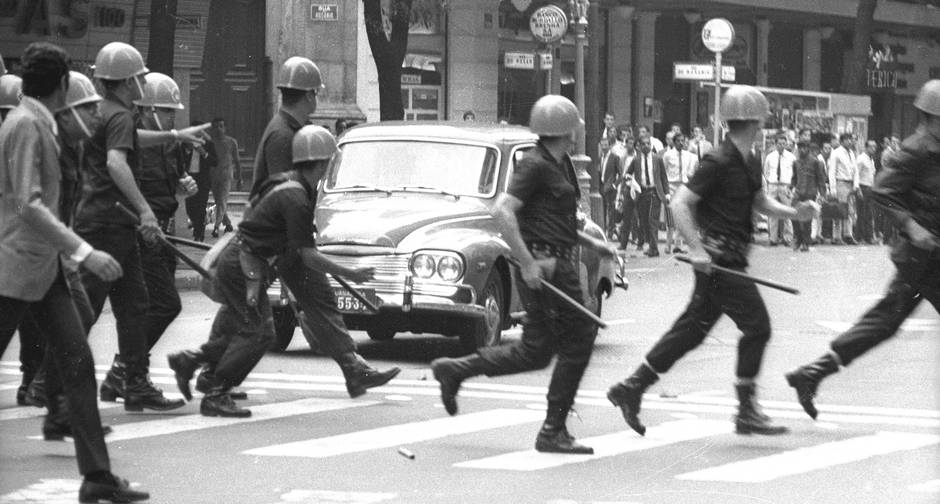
(162, 177)
(278, 226)
(713, 213)
(538, 218)
(111, 169)
(908, 189)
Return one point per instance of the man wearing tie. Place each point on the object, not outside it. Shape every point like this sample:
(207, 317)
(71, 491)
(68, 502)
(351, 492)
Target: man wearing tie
(843, 176)
(778, 174)
(650, 173)
(699, 145)
(610, 173)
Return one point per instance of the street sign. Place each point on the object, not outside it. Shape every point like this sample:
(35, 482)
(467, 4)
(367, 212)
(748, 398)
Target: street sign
(717, 34)
(546, 61)
(701, 72)
(518, 60)
(324, 12)
(548, 24)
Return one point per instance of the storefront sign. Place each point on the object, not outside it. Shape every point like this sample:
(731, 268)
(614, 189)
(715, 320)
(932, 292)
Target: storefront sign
(518, 60)
(411, 79)
(546, 61)
(324, 12)
(717, 34)
(548, 24)
(701, 72)
(882, 71)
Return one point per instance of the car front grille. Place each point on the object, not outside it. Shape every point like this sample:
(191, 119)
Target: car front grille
(390, 270)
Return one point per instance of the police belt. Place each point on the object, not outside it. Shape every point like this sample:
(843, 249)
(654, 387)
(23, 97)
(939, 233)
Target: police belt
(560, 251)
(258, 271)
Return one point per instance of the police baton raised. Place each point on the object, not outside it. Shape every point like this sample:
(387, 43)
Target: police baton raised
(566, 298)
(189, 243)
(160, 238)
(740, 274)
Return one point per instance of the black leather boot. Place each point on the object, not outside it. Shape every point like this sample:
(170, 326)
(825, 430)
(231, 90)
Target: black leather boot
(140, 394)
(218, 403)
(36, 391)
(108, 487)
(450, 373)
(23, 389)
(184, 365)
(750, 419)
(56, 426)
(805, 379)
(554, 436)
(628, 394)
(361, 376)
(113, 385)
(206, 378)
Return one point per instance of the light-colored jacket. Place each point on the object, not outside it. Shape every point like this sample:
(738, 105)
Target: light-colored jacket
(31, 234)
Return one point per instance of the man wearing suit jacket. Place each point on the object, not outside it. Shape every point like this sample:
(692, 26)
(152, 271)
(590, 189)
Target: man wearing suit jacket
(610, 175)
(650, 173)
(32, 238)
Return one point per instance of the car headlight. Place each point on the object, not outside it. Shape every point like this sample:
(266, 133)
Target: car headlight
(422, 266)
(437, 264)
(449, 268)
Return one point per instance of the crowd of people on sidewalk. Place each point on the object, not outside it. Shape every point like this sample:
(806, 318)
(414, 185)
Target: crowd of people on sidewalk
(638, 175)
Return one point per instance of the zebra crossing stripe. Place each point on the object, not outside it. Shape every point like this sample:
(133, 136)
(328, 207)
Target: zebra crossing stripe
(812, 458)
(396, 435)
(605, 446)
(186, 423)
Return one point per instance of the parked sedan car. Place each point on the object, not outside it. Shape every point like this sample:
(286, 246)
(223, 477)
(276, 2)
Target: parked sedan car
(413, 200)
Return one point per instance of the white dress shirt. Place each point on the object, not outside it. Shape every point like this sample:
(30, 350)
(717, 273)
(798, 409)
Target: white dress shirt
(843, 165)
(866, 169)
(679, 167)
(785, 162)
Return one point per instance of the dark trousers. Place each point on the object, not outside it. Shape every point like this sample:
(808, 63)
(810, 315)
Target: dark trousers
(196, 205)
(714, 295)
(628, 224)
(917, 278)
(128, 294)
(241, 339)
(321, 316)
(159, 269)
(803, 230)
(864, 210)
(648, 207)
(611, 215)
(550, 328)
(58, 319)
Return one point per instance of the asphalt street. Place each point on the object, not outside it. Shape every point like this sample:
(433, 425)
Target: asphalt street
(877, 438)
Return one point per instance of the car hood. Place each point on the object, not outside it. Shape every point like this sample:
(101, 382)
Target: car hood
(385, 220)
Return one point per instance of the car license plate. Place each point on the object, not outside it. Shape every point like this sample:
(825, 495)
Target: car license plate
(347, 303)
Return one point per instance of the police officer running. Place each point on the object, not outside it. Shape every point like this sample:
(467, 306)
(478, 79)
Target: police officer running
(537, 217)
(277, 227)
(713, 213)
(907, 188)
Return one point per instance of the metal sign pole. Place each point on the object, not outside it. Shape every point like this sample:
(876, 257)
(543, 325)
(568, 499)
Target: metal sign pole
(717, 122)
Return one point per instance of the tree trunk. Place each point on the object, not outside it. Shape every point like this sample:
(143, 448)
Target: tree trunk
(853, 77)
(388, 52)
(162, 36)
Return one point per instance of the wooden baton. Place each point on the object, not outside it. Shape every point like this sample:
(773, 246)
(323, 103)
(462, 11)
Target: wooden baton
(761, 281)
(160, 238)
(566, 298)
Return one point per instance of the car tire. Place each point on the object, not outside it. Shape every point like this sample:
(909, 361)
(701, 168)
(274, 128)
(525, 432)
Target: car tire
(488, 331)
(383, 334)
(284, 324)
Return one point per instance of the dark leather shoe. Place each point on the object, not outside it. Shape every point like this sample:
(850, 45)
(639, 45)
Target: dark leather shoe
(221, 405)
(116, 490)
(203, 385)
(52, 431)
(184, 366)
(652, 253)
(21, 395)
(551, 440)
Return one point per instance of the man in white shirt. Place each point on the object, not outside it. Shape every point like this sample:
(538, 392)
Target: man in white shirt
(699, 145)
(863, 204)
(843, 176)
(778, 175)
(655, 144)
(680, 164)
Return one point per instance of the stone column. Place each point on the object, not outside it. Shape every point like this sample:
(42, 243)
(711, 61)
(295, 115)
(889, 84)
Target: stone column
(472, 69)
(812, 59)
(645, 46)
(620, 63)
(763, 36)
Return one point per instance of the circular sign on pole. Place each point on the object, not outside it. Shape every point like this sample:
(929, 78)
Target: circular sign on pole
(548, 24)
(717, 34)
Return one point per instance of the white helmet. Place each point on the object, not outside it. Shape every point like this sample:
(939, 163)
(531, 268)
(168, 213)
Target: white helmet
(299, 73)
(11, 90)
(743, 103)
(118, 61)
(554, 115)
(81, 91)
(313, 143)
(928, 98)
(160, 90)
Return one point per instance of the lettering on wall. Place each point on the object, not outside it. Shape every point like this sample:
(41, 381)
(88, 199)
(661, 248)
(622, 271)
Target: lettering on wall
(883, 69)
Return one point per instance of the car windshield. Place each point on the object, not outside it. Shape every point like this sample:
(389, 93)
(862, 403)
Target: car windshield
(416, 166)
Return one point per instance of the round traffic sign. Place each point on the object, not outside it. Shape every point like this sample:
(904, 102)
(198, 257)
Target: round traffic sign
(717, 34)
(548, 24)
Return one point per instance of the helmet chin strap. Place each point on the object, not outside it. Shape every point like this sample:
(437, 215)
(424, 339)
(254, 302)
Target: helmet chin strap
(156, 118)
(81, 123)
